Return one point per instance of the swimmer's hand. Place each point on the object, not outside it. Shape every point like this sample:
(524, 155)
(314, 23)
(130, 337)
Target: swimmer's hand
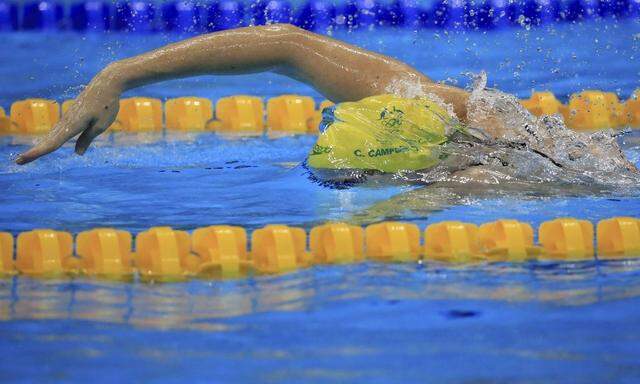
(90, 115)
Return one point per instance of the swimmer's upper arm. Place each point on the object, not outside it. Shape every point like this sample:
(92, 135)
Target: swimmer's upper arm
(344, 72)
(341, 71)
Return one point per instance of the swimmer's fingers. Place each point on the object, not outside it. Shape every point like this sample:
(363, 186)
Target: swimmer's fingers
(61, 133)
(106, 117)
(89, 134)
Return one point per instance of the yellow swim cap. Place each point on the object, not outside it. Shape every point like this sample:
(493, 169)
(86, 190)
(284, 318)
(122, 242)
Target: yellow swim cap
(384, 133)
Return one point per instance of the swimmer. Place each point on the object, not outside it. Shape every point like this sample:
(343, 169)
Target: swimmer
(501, 133)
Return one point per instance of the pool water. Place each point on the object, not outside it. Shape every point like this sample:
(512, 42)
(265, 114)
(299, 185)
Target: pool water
(533, 322)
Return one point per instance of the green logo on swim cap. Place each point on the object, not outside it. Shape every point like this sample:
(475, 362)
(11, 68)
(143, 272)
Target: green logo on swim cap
(391, 118)
(319, 150)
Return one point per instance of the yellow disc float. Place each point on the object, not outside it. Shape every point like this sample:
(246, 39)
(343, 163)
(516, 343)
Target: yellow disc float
(163, 254)
(188, 113)
(222, 250)
(542, 103)
(618, 237)
(566, 239)
(34, 116)
(239, 114)
(507, 240)
(279, 249)
(105, 252)
(6, 254)
(45, 252)
(452, 241)
(290, 114)
(336, 243)
(393, 241)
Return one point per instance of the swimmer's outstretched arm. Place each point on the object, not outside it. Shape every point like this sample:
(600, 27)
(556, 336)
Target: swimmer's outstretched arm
(341, 72)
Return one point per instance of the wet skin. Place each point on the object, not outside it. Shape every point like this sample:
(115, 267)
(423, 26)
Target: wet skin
(340, 71)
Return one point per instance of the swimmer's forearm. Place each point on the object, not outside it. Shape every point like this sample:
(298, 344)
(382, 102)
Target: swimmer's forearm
(231, 52)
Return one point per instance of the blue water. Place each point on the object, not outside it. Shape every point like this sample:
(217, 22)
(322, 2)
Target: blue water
(531, 323)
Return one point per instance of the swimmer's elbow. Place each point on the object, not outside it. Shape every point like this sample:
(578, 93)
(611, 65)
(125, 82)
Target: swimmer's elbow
(289, 40)
(111, 71)
(280, 28)
(287, 33)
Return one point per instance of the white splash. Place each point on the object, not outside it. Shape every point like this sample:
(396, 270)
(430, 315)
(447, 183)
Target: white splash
(539, 148)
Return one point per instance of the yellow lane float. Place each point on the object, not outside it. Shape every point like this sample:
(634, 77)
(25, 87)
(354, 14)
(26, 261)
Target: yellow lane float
(336, 243)
(6, 254)
(34, 116)
(105, 252)
(393, 241)
(164, 254)
(222, 250)
(618, 238)
(290, 114)
(507, 240)
(453, 241)
(45, 252)
(188, 113)
(279, 249)
(566, 239)
(139, 114)
(239, 114)
(542, 103)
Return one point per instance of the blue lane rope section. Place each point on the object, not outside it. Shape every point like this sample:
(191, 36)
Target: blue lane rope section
(317, 15)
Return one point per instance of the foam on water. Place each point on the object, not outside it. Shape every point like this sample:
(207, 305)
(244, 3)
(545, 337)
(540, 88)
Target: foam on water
(507, 143)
